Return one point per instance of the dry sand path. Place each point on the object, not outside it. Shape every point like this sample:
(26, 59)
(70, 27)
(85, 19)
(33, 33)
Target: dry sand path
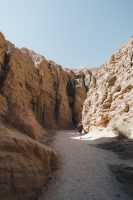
(84, 174)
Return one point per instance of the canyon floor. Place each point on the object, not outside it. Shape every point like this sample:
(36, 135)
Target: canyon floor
(85, 173)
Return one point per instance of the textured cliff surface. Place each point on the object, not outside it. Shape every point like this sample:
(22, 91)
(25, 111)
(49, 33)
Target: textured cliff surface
(110, 99)
(25, 162)
(25, 165)
(28, 80)
(56, 96)
(34, 94)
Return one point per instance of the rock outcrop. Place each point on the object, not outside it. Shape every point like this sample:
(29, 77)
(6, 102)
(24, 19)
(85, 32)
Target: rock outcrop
(56, 96)
(35, 94)
(111, 97)
(29, 81)
(25, 165)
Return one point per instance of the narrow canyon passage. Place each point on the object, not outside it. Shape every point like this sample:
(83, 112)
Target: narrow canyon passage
(84, 174)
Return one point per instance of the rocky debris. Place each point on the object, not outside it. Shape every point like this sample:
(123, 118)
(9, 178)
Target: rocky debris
(109, 97)
(25, 165)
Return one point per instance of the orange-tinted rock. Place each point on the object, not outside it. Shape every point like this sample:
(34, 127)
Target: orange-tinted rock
(25, 165)
(2, 50)
(34, 93)
(30, 81)
(25, 121)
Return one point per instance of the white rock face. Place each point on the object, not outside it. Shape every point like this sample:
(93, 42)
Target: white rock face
(110, 90)
(36, 58)
(124, 129)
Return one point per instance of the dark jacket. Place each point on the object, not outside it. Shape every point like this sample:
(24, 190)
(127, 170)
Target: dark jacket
(80, 127)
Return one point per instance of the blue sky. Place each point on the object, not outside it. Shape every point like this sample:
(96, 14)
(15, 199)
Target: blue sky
(73, 33)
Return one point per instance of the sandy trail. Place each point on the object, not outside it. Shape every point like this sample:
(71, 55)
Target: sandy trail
(84, 174)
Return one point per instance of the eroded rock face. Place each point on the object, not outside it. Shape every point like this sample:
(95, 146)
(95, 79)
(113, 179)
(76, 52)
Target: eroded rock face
(25, 165)
(25, 162)
(56, 96)
(34, 94)
(30, 81)
(111, 97)
(37, 93)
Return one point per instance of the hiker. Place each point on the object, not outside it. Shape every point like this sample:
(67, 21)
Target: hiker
(80, 128)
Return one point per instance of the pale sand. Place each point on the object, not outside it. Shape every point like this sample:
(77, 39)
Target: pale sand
(85, 174)
(96, 134)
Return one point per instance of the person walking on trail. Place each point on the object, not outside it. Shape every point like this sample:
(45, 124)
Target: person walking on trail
(80, 128)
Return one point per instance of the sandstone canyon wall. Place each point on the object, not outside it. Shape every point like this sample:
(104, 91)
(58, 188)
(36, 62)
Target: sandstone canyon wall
(56, 96)
(37, 94)
(110, 99)
(31, 82)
